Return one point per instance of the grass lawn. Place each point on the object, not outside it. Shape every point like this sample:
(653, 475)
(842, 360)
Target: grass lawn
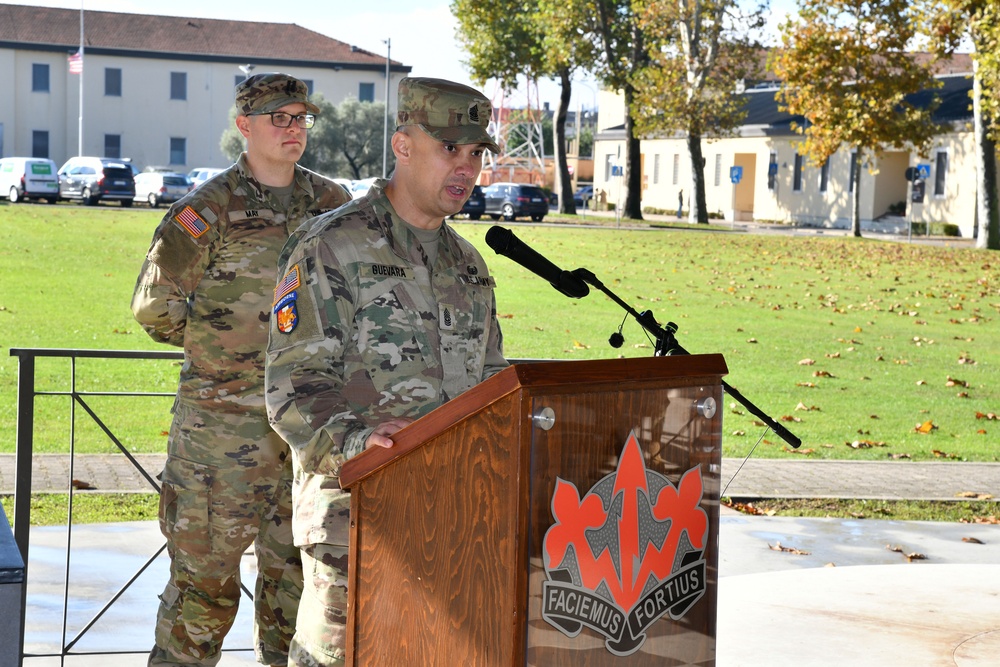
(865, 349)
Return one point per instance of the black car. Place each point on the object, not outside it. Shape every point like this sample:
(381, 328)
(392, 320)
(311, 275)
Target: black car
(92, 180)
(515, 200)
(475, 205)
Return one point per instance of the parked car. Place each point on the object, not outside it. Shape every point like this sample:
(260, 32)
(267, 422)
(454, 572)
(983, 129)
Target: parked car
(475, 205)
(155, 188)
(24, 178)
(201, 174)
(583, 195)
(360, 188)
(96, 179)
(515, 200)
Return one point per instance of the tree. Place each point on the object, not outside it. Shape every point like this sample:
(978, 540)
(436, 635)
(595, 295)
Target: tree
(979, 22)
(346, 140)
(507, 39)
(703, 49)
(845, 68)
(619, 41)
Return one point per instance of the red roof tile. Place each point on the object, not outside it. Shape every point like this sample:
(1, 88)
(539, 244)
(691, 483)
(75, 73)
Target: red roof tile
(168, 35)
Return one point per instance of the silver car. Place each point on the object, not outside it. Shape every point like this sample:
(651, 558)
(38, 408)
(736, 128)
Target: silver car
(155, 188)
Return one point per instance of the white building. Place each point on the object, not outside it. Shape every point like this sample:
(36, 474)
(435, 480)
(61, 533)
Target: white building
(156, 89)
(776, 182)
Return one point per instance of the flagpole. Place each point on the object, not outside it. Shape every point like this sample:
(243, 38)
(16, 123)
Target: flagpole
(79, 145)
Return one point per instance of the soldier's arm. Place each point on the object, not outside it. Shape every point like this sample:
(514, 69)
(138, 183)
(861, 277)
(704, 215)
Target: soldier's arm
(304, 372)
(495, 361)
(175, 262)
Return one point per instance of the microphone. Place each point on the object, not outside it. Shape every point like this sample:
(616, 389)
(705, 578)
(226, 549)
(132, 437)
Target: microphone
(505, 243)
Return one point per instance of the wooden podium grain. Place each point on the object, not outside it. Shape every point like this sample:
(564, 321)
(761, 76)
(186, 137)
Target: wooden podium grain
(447, 526)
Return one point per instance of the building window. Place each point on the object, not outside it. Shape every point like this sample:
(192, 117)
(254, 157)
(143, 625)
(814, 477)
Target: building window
(113, 145)
(39, 143)
(238, 80)
(718, 169)
(656, 169)
(112, 82)
(797, 178)
(772, 171)
(39, 78)
(677, 169)
(178, 85)
(178, 150)
(309, 86)
(366, 92)
(824, 175)
(940, 173)
(854, 172)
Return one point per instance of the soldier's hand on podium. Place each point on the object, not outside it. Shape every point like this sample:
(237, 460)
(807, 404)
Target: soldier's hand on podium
(380, 436)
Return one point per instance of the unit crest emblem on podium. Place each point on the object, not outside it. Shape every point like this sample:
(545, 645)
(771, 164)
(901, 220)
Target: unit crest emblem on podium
(625, 554)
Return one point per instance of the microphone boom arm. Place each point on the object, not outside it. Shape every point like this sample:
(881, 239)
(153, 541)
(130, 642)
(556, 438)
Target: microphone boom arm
(667, 345)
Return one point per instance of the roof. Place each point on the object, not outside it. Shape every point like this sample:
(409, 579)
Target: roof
(764, 117)
(956, 105)
(143, 35)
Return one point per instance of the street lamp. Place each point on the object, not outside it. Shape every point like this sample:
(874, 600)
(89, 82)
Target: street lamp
(385, 136)
(247, 70)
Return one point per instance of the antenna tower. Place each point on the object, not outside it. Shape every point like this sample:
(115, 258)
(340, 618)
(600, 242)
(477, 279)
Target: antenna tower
(518, 132)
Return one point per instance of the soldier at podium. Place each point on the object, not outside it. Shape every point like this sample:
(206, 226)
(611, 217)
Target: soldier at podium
(383, 313)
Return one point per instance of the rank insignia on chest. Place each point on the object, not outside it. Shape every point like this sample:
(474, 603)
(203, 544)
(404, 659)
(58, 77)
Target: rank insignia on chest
(286, 315)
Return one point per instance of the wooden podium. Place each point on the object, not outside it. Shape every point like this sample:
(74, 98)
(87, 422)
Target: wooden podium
(559, 514)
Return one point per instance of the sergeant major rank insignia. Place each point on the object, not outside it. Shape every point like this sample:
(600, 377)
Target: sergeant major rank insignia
(285, 313)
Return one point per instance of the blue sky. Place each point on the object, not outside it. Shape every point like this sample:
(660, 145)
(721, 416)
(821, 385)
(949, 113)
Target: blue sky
(422, 32)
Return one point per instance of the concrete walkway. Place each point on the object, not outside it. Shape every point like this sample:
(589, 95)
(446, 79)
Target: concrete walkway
(756, 478)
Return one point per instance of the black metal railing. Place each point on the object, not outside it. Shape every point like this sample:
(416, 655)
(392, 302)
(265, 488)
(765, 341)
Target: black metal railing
(27, 392)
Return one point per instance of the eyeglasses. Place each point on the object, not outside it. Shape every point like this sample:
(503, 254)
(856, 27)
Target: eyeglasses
(282, 119)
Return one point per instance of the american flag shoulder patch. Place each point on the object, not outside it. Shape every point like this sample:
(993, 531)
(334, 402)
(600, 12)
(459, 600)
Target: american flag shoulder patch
(193, 223)
(287, 285)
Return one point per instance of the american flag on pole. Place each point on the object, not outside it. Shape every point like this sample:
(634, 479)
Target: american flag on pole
(76, 63)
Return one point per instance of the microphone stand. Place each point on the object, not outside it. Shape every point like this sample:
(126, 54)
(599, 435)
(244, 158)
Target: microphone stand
(667, 345)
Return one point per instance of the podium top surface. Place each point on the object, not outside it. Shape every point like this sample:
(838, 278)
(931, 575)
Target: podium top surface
(533, 376)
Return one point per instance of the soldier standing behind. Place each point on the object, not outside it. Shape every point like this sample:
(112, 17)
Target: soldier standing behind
(383, 314)
(206, 285)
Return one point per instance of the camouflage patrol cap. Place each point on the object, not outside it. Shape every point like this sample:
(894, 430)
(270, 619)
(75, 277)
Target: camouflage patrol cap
(446, 110)
(269, 91)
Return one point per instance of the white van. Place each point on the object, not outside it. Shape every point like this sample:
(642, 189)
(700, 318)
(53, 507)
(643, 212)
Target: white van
(28, 178)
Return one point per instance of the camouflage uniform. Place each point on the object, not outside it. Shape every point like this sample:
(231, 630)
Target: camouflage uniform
(206, 285)
(365, 328)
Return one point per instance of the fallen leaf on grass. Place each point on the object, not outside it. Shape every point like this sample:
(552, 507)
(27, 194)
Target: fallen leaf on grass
(865, 444)
(739, 432)
(972, 540)
(909, 556)
(580, 346)
(807, 362)
(921, 382)
(873, 416)
(926, 427)
(746, 508)
(986, 415)
(973, 495)
(962, 394)
(822, 374)
(966, 359)
(807, 408)
(751, 340)
(789, 418)
(893, 455)
(799, 451)
(943, 455)
(789, 550)
(982, 519)
(955, 382)
(810, 385)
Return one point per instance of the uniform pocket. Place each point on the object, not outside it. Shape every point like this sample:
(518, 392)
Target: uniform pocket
(185, 505)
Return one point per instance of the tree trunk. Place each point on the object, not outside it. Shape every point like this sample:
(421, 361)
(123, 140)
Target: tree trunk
(856, 199)
(699, 208)
(563, 182)
(633, 162)
(987, 205)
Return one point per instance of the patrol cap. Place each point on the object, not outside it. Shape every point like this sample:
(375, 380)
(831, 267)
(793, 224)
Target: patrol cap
(269, 91)
(446, 110)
